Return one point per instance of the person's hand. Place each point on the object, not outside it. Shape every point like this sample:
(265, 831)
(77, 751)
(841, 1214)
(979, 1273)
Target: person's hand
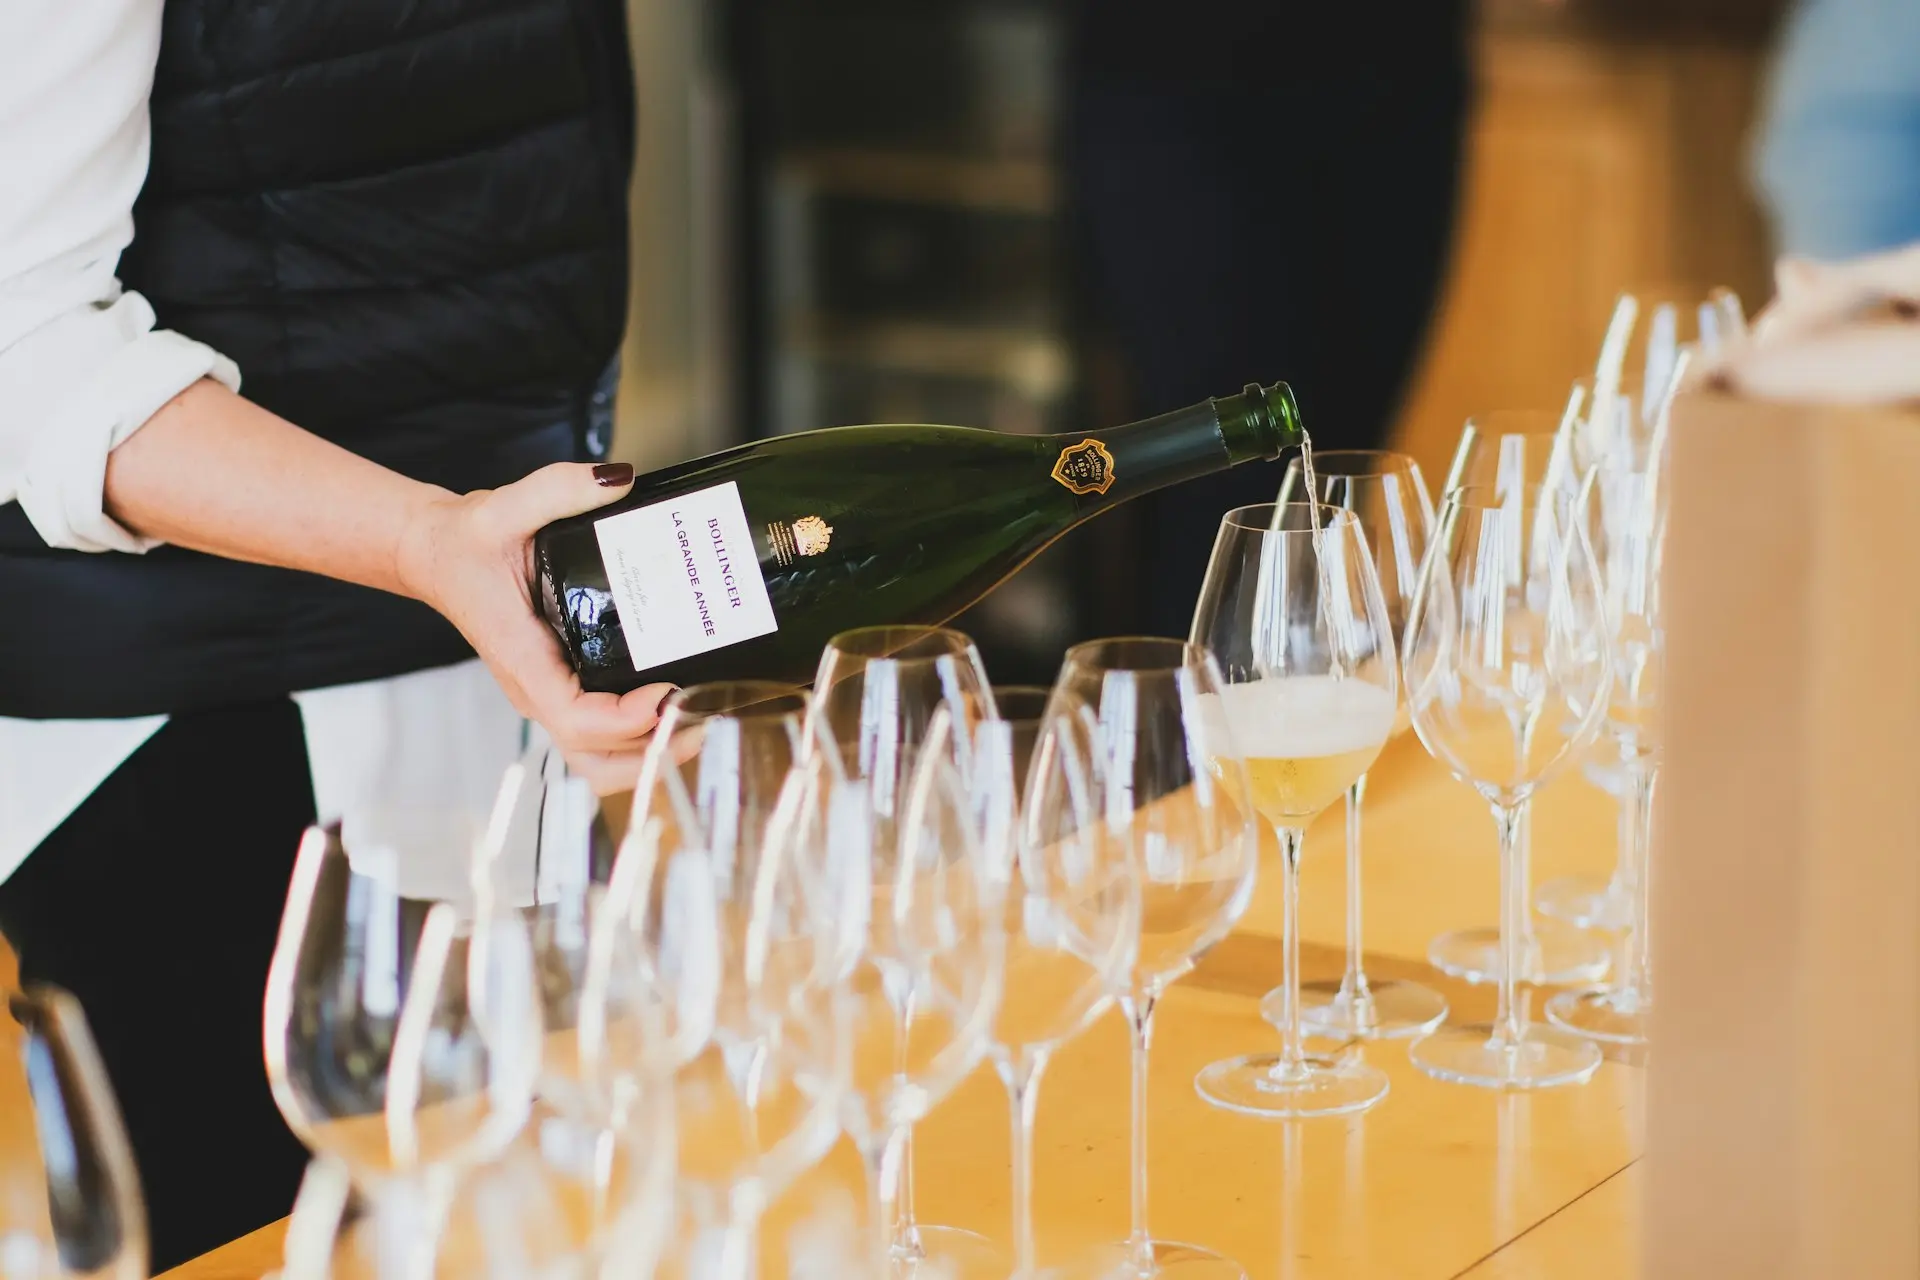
(471, 557)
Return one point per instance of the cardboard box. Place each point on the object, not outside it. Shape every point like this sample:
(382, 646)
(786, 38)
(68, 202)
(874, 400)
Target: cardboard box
(1784, 1117)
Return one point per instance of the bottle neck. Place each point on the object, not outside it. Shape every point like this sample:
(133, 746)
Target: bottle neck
(1105, 467)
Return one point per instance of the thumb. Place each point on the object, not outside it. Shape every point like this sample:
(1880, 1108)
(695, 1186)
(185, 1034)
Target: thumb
(560, 490)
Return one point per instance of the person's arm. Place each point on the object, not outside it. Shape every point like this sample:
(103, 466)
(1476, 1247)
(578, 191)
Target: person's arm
(217, 473)
(115, 436)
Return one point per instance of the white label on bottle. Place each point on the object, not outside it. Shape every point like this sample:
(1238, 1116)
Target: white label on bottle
(685, 576)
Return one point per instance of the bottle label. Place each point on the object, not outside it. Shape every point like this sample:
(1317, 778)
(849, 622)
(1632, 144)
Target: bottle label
(1085, 468)
(685, 576)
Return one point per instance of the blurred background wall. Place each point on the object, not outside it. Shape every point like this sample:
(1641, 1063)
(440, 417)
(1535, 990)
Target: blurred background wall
(873, 211)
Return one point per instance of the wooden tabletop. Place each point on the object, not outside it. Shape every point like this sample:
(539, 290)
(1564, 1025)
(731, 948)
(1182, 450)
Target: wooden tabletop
(1439, 1182)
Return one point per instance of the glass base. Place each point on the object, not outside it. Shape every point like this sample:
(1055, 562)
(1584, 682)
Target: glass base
(1329, 1087)
(1560, 956)
(1585, 903)
(1391, 1010)
(1168, 1258)
(1544, 1058)
(1616, 1017)
(949, 1253)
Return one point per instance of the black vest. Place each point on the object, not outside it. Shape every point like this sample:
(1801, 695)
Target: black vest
(407, 224)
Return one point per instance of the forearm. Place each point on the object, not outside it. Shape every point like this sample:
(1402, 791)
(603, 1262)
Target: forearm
(216, 473)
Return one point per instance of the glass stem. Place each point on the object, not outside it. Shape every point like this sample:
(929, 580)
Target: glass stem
(1523, 881)
(1625, 860)
(1637, 988)
(1509, 1027)
(906, 1233)
(436, 1203)
(739, 1258)
(1138, 1008)
(883, 1193)
(1021, 1073)
(1353, 984)
(1293, 1046)
(1623, 865)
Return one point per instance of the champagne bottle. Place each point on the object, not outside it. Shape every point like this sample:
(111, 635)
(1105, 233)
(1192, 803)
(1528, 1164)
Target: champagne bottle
(745, 562)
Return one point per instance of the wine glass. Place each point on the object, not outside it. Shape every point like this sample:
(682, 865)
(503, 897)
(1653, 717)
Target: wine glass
(403, 1035)
(1072, 922)
(517, 1217)
(720, 777)
(1388, 496)
(550, 867)
(602, 1119)
(1508, 673)
(70, 1201)
(1635, 536)
(1651, 328)
(1169, 807)
(1507, 450)
(1625, 466)
(874, 696)
(919, 1001)
(1294, 615)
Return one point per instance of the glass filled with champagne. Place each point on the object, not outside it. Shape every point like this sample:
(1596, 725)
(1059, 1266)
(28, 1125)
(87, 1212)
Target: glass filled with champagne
(1295, 616)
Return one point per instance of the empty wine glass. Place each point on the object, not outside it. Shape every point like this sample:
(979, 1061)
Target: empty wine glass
(720, 777)
(602, 1116)
(1508, 672)
(403, 1036)
(1072, 921)
(1636, 545)
(1508, 450)
(1650, 329)
(70, 1202)
(1170, 807)
(1388, 496)
(874, 695)
(551, 867)
(1625, 466)
(517, 1217)
(1293, 614)
(919, 1002)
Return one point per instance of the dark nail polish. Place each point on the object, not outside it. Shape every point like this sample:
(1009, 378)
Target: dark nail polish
(613, 475)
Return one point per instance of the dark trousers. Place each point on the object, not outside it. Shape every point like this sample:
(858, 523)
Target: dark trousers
(156, 904)
(1279, 210)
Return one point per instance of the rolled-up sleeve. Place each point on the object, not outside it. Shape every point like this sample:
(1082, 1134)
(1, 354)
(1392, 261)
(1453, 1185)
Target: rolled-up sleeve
(82, 365)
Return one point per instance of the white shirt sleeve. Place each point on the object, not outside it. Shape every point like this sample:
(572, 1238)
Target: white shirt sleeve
(81, 365)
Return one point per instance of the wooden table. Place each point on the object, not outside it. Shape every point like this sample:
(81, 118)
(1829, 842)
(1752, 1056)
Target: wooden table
(1436, 1183)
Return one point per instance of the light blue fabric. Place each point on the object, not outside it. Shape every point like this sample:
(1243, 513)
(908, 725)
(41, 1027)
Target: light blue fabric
(1838, 161)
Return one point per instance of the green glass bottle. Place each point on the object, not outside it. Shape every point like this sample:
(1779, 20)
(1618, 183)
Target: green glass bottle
(744, 563)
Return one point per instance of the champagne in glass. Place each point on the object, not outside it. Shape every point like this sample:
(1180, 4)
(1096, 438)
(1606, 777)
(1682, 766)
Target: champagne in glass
(1305, 739)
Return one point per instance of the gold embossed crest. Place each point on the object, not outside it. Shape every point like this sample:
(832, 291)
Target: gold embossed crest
(1086, 467)
(811, 535)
